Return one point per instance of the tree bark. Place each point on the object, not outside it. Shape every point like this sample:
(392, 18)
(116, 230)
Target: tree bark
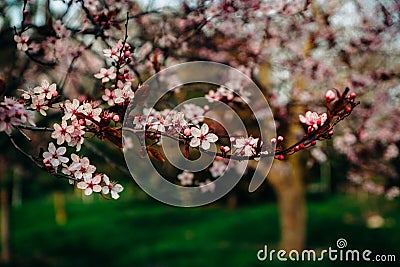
(5, 214)
(289, 187)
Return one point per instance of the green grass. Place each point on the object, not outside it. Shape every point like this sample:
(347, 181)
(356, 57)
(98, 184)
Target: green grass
(143, 232)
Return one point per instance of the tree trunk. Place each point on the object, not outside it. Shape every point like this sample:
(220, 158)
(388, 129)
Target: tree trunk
(287, 180)
(5, 214)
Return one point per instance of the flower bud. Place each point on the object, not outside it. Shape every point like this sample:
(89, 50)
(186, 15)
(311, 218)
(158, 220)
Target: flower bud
(280, 138)
(313, 143)
(330, 95)
(187, 132)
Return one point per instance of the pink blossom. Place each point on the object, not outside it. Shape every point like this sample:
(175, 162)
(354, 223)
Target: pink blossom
(80, 167)
(218, 168)
(193, 113)
(39, 104)
(246, 146)
(207, 186)
(71, 109)
(313, 119)
(90, 112)
(109, 96)
(13, 113)
(106, 74)
(62, 132)
(55, 156)
(124, 95)
(22, 42)
(46, 90)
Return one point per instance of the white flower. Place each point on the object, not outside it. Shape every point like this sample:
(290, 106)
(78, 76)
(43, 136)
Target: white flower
(246, 146)
(111, 53)
(90, 112)
(46, 90)
(193, 113)
(202, 137)
(71, 109)
(186, 178)
(80, 167)
(313, 119)
(22, 42)
(62, 132)
(139, 122)
(124, 95)
(90, 185)
(207, 186)
(112, 188)
(106, 74)
(55, 156)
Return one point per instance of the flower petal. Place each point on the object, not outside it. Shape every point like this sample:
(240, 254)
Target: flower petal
(205, 145)
(88, 191)
(52, 148)
(195, 132)
(195, 142)
(212, 138)
(204, 129)
(82, 185)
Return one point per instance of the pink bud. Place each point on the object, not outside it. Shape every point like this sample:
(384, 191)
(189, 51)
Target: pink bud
(206, 108)
(232, 139)
(330, 95)
(280, 138)
(281, 157)
(313, 143)
(224, 148)
(296, 148)
(330, 132)
(187, 132)
(116, 118)
(273, 140)
(55, 94)
(353, 95)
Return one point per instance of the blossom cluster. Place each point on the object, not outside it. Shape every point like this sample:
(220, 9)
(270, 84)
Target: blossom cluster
(40, 97)
(12, 114)
(81, 172)
(117, 79)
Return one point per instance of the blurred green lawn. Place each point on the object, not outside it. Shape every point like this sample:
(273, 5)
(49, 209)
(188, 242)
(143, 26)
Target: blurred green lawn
(144, 232)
